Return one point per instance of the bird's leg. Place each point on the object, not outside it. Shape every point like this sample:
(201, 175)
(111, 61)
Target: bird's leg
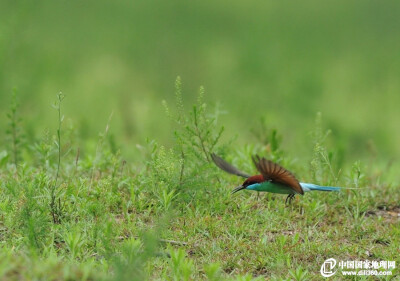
(289, 199)
(258, 195)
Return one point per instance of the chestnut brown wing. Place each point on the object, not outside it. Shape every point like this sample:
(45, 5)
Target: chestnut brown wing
(276, 173)
(222, 164)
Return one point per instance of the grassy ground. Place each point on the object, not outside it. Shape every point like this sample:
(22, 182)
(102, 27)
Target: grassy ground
(170, 216)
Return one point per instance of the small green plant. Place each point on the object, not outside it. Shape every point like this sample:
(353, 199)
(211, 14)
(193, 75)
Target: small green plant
(299, 274)
(56, 207)
(130, 262)
(99, 156)
(14, 129)
(213, 271)
(357, 177)
(74, 241)
(33, 218)
(196, 133)
(321, 163)
(179, 170)
(182, 268)
(167, 198)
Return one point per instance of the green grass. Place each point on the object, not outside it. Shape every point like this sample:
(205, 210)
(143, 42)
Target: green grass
(169, 214)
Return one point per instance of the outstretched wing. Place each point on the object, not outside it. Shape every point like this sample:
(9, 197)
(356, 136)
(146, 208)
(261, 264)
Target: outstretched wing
(222, 164)
(276, 173)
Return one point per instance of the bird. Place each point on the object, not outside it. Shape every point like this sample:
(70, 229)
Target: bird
(272, 178)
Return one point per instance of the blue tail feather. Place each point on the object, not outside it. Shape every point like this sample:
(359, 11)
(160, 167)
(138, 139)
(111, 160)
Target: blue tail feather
(312, 187)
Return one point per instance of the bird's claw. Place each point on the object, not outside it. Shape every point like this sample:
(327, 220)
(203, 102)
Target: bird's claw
(289, 199)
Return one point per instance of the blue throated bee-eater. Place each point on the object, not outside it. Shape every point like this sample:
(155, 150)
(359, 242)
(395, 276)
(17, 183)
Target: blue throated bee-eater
(273, 178)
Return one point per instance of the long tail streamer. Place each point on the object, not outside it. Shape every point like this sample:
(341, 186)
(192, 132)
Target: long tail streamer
(312, 187)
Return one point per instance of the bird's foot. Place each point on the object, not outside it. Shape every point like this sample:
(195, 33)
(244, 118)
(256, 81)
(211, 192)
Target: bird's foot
(289, 199)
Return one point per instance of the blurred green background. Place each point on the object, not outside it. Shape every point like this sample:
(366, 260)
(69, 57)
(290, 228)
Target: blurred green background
(279, 60)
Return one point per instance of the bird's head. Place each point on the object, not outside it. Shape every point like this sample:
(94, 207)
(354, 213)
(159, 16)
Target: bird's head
(249, 182)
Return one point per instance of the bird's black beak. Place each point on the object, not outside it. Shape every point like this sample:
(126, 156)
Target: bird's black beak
(236, 189)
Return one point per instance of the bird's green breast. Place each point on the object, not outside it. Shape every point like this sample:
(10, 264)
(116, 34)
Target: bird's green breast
(268, 186)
